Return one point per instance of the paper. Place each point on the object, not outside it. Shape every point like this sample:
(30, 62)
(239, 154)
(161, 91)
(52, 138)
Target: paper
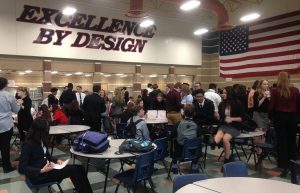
(58, 167)
(152, 114)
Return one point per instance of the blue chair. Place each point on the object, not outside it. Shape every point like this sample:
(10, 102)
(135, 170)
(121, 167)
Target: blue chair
(37, 187)
(120, 127)
(295, 172)
(235, 169)
(142, 172)
(180, 181)
(191, 151)
(161, 151)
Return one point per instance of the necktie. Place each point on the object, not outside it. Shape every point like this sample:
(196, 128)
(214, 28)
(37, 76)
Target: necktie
(80, 99)
(200, 105)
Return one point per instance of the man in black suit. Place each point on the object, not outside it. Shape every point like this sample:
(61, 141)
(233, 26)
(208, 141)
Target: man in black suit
(52, 97)
(93, 105)
(66, 98)
(204, 109)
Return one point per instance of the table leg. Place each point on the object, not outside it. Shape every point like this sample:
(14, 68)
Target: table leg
(106, 175)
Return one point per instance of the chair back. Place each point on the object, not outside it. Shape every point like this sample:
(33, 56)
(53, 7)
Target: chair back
(182, 180)
(192, 149)
(271, 136)
(235, 169)
(295, 172)
(144, 166)
(161, 150)
(120, 127)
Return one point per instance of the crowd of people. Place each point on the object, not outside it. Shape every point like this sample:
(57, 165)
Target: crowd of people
(189, 108)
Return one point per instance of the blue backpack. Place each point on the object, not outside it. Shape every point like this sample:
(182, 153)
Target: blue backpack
(91, 142)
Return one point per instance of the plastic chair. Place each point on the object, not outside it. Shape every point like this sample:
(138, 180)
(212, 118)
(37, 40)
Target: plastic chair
(235, 169)
(191, 151)
(180, 181)
(37, 187)
(142, 172)
(120, 127)
(161, 151)
(295, 172)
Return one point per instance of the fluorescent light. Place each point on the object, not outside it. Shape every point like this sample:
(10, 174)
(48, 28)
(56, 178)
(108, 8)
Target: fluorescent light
(119, 74)
(250, 17)
(88, 75)
(54, 72)
(147, 23)
(69, 11)
(201, 31)
(182, 75)
(78, 73)
(28, 71)
(21, 73)
(123, 76)
(189, 5)
(107, 75)
(49, 23)
(153, 75)
(68, 74)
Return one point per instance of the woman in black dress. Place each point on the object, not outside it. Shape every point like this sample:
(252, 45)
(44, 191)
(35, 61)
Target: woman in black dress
(24, 115)
(231, 112)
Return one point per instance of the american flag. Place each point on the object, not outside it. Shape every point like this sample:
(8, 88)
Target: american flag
(262, 48)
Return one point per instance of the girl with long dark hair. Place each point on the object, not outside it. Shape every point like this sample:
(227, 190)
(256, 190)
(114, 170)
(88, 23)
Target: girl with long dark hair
(38, 165)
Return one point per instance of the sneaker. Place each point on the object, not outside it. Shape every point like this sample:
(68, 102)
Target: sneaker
(175, 168)
(195, 168)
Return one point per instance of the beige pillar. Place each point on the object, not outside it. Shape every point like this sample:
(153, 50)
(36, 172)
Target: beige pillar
(47, 78)
(137, 81)
(171, 75)
(98, 75)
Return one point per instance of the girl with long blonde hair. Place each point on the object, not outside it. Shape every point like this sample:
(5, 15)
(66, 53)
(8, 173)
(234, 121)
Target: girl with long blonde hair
(284, 109)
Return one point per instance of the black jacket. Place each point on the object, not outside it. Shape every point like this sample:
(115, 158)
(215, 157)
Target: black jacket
(93, 105)
(33, 159)
(67, 97)
(204, 115)
(52, 100)
(24, 115)
(237, 110)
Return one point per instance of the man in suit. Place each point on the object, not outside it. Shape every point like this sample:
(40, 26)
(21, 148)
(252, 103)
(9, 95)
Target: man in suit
(66, 98)
(52, 97)
(93, 105)
(79, 95)
(204, 109)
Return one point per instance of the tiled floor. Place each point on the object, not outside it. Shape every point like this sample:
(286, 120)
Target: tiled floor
(13, 183)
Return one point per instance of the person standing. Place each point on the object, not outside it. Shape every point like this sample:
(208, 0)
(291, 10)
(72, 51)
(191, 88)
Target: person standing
(66, 98)
(173, 104)
(93, 106)
(52, 97)
(8, 104)
(250, 98)
(24, 115)
(79, 95)
(284, 109)
(214, 97)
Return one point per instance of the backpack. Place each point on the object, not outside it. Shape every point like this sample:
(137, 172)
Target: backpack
(130, 129)
(134, 145)
(91, 142)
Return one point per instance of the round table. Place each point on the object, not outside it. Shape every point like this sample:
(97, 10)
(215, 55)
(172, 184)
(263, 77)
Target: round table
(109, 154)
(250, 134)
(66, 130)
(240, 185)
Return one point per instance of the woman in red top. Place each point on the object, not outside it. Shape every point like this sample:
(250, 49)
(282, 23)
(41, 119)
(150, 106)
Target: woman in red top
(284, 109)
(58, 115)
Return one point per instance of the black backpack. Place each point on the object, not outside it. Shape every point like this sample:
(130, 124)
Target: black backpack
(130, 129)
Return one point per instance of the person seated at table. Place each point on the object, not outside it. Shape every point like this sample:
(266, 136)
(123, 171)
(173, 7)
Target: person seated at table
(204, 109)
(58, 116)
(127, 113)
(38, 165)
(75, 113)
(158, 103)
(187, 129)
(142, 132)
(231, 113)
(44, 113)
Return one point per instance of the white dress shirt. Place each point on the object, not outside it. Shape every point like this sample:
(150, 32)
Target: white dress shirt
(78, 95)
(214, 97)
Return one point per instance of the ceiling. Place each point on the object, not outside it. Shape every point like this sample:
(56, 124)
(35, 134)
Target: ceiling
(235, 8)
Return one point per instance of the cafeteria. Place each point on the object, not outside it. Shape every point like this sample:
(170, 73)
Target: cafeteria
(166, 96)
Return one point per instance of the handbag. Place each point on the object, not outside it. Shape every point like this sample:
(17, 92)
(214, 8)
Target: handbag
(91, 142)
(248, 124)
